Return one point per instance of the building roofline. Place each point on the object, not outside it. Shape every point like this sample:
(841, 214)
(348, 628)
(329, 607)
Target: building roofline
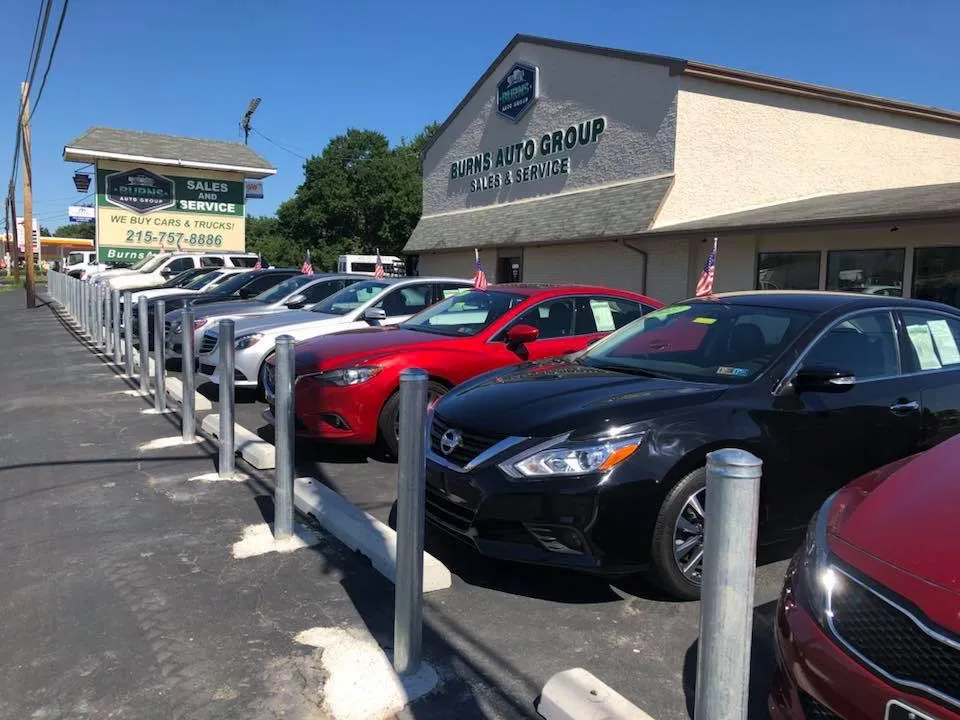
(717, 73)
(75, 154)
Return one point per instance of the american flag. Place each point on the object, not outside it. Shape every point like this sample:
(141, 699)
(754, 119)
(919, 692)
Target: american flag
(378, 272)
(479, 278)
(259, 264)
(705, 286)
(307, 267)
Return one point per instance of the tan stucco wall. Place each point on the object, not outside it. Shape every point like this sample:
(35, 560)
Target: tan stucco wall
(637, 99)
(739, 148)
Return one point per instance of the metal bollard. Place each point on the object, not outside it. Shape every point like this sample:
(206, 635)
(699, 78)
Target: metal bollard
(83, 306)
(284, 440)
(226, 399)
(128, 332)
(144, 339)
(159, 366)
(188, 412)
(729, 570)
(97, 309)
(115, 301)
(108, 321)
(411, 487)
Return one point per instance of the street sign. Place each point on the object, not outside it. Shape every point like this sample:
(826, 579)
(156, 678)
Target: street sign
(253, 189)
(81, 181)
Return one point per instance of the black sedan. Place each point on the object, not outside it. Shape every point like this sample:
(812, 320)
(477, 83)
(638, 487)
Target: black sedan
(596, 461)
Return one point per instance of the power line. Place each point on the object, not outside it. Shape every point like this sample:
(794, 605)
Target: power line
(53, 49)
(279, 145)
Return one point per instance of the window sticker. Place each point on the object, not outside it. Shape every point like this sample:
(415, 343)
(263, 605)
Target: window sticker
(923, 343)
(734, 371)
(705, 321)
(945, 342)
(602, 316)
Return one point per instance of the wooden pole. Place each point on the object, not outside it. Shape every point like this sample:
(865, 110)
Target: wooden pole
(30, 284)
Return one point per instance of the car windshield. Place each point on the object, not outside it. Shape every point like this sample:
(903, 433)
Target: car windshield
(74, 258)
(149, 263)
(202, 280)
(465, 312)
(279, 292)
(350, 298)
(181, 279)
(231, 285)
(705, 342)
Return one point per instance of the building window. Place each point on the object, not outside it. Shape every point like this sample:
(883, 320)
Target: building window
(788, 270)
(936, 274)
(873, 272)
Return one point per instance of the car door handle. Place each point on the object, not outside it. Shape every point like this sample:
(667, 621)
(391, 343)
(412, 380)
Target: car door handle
(902, 408)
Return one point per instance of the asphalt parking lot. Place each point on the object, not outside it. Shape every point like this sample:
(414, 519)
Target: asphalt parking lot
(519, 625)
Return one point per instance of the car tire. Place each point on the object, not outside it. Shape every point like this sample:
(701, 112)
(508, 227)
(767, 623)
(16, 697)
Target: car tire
(669, 534)
(387, 424)
(261, 390)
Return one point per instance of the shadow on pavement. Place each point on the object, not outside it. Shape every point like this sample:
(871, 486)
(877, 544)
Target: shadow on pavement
(762, 654)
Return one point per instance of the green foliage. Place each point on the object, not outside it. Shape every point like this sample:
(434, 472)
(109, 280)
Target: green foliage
(86, 231)
(358, 195)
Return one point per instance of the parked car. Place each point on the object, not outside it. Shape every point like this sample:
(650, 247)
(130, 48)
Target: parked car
(78, 261)
(300, 292)
(868, 623)
(596, 462)
(161, 267)
(348, 384)
(205, 282)
(372, 302)
(177, 281)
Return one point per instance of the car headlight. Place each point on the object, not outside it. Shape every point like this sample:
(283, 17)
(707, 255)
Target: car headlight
(818, 579)
(560, 458)
(347, 376)
(197, 324)
(246, 341)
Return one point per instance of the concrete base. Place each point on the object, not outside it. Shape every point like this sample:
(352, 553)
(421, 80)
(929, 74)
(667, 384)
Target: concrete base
(175, 393)
(250, 446)
(577, 695)
(361, 532)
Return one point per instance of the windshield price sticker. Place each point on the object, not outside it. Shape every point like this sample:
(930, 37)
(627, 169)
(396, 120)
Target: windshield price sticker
(923, 343)
(945, 342)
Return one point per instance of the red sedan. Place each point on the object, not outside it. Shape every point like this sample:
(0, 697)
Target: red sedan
(868, 625)
(347, 388)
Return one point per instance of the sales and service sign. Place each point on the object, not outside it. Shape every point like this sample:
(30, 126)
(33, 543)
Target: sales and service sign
(517, 91)
(143, 210)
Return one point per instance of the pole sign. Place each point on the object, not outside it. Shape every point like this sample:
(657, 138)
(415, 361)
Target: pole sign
(82, 213)
(142, 210)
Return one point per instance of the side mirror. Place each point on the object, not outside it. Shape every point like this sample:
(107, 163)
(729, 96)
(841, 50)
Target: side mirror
(375, 313)
(522, 334)
(823, 379)
(297, 301)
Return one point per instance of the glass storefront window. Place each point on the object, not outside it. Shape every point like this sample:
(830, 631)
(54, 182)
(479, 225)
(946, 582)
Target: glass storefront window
(936, 274)
(788, 270)
(873, 272)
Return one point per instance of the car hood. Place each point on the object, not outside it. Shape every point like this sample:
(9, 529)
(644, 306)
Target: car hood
(550, 397)
(240, 307)
(904, 514)
(332, 350)
(167, 295)
(274, 321)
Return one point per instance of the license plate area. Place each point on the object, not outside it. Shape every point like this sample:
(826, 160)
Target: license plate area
(896, 710)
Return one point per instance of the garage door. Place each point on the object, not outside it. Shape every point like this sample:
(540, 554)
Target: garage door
(608, 264)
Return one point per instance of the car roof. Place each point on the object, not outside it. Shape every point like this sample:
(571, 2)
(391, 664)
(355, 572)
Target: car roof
(551, 289)
(414, 280)
(817, 300)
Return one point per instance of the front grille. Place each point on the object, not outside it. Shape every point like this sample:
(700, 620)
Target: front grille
(471, 444)
(891, 640)
(208, 344)
(814, 710)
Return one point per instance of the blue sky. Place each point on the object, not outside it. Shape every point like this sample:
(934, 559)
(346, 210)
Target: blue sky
(190, 67)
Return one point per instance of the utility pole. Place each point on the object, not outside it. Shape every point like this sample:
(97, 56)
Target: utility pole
(15, 250)
(30, 284)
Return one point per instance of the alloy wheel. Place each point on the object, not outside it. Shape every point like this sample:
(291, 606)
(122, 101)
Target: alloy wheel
(688, 537)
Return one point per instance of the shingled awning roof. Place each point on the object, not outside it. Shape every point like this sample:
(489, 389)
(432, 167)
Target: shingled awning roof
(100, 143)
(922, 202)
(614, 211)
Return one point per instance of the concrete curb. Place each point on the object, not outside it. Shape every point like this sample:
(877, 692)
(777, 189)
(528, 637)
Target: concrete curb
(175, 393)
(150, 364)
(361, 532)
(576, 694)
(250, 446)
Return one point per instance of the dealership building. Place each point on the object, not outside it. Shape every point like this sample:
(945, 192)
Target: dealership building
(573, 163)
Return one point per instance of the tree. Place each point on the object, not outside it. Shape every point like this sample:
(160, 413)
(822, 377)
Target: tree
(44, 231)
(87, 231)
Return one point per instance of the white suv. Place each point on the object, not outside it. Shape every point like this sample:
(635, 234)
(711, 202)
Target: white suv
(161, 267)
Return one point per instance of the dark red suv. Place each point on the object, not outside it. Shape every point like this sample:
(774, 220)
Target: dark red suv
(868, 624)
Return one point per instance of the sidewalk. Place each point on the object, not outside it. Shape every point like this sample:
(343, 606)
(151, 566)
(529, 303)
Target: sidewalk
(123, 597)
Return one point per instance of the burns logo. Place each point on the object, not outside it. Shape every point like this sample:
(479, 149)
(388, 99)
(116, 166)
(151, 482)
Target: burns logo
(517, 91)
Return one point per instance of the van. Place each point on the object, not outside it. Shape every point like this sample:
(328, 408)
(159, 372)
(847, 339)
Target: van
(393, 266)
